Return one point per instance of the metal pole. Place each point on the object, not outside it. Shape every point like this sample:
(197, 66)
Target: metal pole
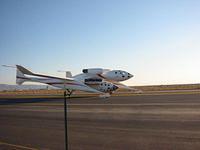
(65, 114)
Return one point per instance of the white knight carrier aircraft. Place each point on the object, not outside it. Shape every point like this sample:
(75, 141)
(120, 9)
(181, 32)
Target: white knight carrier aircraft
(96, 80)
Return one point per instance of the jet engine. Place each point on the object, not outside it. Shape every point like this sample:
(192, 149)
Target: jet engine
(117, 75)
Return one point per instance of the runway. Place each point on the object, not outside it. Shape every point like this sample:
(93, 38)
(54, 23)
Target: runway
(143, 122)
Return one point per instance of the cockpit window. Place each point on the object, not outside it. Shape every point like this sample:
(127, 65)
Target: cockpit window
(115, 72)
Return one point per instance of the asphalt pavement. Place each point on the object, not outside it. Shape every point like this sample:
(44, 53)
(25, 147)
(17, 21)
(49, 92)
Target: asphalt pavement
(143, 122)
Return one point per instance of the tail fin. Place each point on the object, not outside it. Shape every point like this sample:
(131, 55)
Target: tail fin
(20, 77)
(68, 74)
(24, 70)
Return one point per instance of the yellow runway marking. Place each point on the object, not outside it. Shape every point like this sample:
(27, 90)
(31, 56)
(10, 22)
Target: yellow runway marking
(17, 146)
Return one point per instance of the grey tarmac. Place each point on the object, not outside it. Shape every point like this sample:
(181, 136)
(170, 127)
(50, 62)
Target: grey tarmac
(143, 122)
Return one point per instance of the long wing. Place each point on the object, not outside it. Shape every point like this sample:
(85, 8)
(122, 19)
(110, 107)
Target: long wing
(27, 72)
(64, 83)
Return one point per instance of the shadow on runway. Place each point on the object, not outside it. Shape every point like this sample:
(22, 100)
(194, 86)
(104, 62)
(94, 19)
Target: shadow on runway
(12, 101)
(28, 100)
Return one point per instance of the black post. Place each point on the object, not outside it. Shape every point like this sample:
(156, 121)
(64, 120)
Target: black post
(65, 113)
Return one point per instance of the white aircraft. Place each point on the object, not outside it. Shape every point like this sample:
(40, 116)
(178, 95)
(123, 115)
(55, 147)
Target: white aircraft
(97, 80)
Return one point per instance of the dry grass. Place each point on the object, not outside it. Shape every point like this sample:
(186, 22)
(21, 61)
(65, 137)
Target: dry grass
(169, 87)
(184, 88)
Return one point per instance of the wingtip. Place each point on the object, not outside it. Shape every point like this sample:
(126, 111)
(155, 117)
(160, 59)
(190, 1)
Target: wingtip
(8, 66)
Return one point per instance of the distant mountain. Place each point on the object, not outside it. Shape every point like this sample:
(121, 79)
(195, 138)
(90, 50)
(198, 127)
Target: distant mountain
(6, 87)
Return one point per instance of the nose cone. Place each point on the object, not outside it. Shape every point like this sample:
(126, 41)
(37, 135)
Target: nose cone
(115, 87)
(130, 75)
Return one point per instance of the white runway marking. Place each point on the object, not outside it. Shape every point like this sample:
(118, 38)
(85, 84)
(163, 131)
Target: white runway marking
(17, 146)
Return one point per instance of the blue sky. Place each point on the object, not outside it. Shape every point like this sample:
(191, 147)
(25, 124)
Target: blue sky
(157, 41)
